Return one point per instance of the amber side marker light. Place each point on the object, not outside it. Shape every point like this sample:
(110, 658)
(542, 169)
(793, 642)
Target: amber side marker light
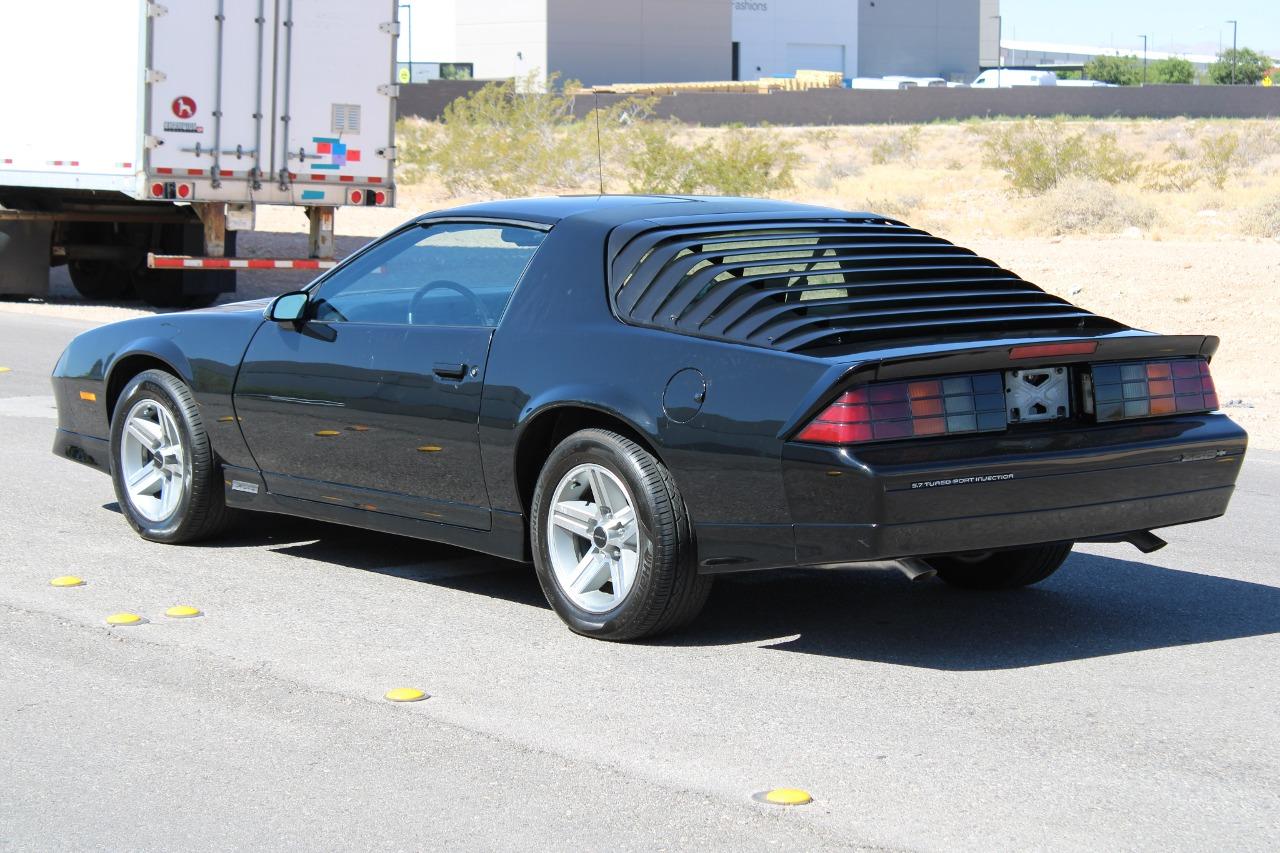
(88, 395)
(1050, 350)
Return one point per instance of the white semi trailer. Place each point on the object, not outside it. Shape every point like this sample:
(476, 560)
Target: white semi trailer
(137, 138)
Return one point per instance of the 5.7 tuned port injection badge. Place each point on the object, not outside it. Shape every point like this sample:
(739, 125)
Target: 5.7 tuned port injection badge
(961, 481)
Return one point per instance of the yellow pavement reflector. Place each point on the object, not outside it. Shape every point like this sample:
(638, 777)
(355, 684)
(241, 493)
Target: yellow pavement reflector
(328, 432)
(785, 797)
(404, 694)
(430, 448)
(124, 619)
(182, 611)
(5, 369)
(67, 580)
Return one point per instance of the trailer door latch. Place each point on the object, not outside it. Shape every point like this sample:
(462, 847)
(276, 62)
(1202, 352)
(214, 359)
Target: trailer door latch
(391, 90)
(390, 27)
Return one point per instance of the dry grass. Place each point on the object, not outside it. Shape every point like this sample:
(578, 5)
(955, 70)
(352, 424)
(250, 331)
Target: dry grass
(1206, 179)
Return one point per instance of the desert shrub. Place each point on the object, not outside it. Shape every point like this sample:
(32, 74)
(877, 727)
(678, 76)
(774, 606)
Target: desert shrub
(1264, 220)
(1082, 206)
(901, 205)
(900, 145)
(414, 144)
(1177, 176)
(1037, 155)
(746, 163)
(1220, 156)
(508, 138)
(824, 137)
(736, 162)
(834, 169)
(655, 162)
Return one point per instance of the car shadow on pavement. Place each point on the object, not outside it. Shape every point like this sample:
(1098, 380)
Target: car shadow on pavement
(387, 554)
(1094, 606)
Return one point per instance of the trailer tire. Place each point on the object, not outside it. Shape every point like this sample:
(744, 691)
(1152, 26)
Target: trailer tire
(99, 279)
(161, 289)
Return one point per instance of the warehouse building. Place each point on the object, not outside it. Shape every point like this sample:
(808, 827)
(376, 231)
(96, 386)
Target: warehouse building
(644, 41)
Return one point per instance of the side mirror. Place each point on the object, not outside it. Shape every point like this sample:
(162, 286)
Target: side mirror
(288, 308)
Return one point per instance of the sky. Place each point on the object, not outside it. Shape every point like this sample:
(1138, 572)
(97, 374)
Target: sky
(1178, 26)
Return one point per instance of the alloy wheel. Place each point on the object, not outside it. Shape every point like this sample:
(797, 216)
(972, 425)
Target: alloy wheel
(155, 465)
(593, 538)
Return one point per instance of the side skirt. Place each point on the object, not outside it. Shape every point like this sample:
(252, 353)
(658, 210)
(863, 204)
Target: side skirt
(244, 489)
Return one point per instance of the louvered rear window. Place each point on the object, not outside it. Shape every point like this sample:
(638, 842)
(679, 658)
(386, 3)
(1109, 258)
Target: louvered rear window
(803, 285)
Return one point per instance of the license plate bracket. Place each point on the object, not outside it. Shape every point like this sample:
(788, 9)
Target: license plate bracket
(1037, 394)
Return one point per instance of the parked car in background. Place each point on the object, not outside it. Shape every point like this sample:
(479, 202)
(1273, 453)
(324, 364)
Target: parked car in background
(638, 393)
(1007, 78)
(923, 82)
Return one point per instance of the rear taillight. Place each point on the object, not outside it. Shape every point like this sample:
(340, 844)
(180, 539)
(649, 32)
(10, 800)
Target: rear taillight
(922, 407)
(1143, 389)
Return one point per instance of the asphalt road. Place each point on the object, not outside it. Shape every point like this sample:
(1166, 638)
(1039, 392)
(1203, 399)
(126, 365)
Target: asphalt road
(1130, 702)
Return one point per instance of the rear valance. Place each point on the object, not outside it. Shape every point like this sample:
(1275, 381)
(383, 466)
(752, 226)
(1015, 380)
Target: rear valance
(815, 284)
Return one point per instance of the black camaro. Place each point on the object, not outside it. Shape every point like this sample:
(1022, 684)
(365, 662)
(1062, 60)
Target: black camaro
(637, 393)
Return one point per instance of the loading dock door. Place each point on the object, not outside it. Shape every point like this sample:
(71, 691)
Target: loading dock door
(815, 57)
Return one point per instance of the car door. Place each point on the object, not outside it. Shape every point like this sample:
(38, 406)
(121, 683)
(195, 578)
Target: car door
(373, 400)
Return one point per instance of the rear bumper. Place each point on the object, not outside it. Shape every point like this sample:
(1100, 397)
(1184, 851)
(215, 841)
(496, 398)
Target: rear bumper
(922, 498)
(909, 499)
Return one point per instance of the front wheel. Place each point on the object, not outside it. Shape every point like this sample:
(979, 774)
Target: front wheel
(1002, 569)
(165, 475)
(612, 542)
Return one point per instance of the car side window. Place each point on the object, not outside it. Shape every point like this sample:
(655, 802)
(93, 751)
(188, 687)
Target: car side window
(448, 274)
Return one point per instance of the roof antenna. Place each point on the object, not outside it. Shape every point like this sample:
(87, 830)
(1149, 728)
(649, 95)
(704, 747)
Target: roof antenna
(595, 108)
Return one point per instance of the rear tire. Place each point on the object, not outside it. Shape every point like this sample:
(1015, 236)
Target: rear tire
(158, 442)
(1002, 569)
(661, 587)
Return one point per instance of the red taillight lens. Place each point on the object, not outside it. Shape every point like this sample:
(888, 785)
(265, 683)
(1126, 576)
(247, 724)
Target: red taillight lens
(379, 197)
(1143, 389)
(157, 190)
(356, 197)
(948, 405)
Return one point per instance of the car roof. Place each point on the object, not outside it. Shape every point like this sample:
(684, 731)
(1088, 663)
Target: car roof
(619, 209)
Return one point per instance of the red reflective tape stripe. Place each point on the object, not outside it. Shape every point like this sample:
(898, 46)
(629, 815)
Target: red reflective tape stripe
(317, 177)
(375, 180)
(344, 178)
(306, 265)
(261, 264)
(195, 171)
(164, 170)
(164, 263)
(226, 173)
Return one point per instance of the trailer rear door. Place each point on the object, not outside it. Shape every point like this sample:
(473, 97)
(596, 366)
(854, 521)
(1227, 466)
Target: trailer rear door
(273, 101)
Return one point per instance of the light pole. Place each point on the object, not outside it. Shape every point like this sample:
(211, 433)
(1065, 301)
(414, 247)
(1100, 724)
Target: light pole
(1234, 54)
(1144, 59)
(999, 49)
(410, 39)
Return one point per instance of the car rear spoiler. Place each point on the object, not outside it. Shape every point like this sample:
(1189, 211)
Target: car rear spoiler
(939, 359)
